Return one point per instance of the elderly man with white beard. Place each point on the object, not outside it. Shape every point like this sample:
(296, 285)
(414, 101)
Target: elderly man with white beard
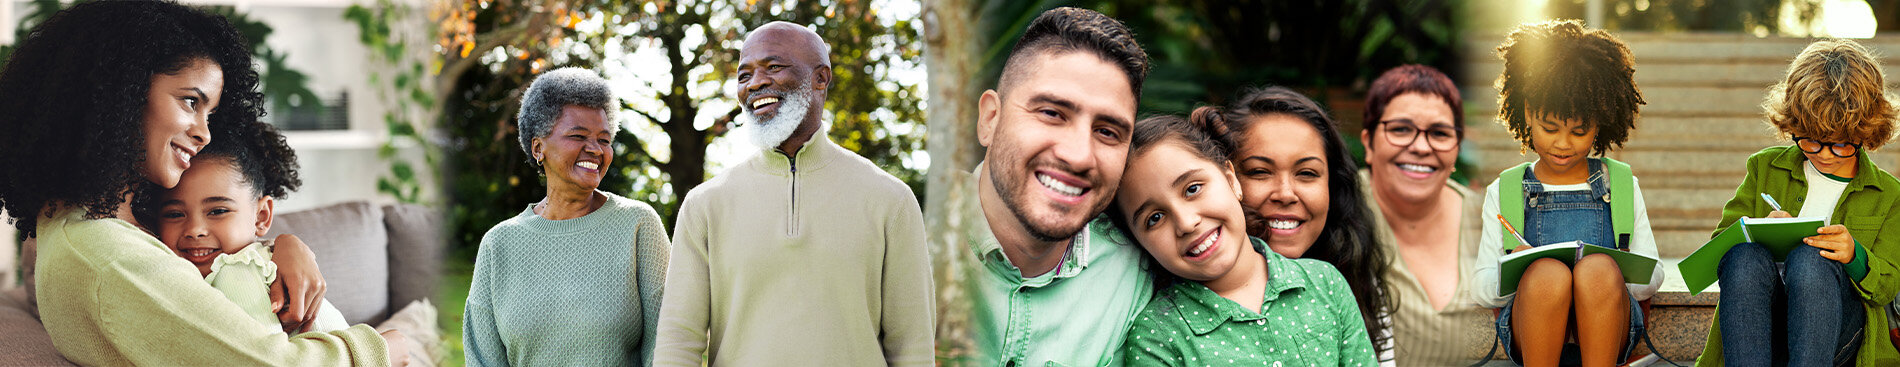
(805, 254)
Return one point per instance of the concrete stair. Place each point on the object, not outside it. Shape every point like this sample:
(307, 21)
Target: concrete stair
(1702, 121)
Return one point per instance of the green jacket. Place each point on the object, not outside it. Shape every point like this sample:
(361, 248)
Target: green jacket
(1870, 204)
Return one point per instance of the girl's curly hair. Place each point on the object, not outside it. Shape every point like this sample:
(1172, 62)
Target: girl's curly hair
(1834, 92)
(1563, 69)
(260, 154)
(255, 150)
(73, 97)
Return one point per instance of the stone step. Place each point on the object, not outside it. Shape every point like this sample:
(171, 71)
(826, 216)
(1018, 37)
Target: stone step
(1683, 132)
(1702, 121)
(1751, 73)
(1691, 47)
(1719, 60)
(1661, 100)
(1678, 243)
(1645, 162)
(1678, 324)
(1718, 167)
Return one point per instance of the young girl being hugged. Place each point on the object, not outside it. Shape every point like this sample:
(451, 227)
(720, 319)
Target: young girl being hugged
(217, 215)
(1231, 300)
(1824, 304)
(1568, 93)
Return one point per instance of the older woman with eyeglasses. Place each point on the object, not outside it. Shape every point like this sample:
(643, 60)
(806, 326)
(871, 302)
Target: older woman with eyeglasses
(1413, 125)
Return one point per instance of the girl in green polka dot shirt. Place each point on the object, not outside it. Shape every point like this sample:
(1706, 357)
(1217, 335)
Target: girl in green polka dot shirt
(1225, 299)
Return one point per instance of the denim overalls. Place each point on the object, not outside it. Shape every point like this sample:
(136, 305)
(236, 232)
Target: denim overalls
(1560, 216)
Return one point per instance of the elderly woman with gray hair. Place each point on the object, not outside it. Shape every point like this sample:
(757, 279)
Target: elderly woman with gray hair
(574, 280)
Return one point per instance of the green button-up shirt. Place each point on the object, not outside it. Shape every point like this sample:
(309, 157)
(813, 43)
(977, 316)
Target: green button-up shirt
(1308, 318)
(1869, 208)
(1075, 315)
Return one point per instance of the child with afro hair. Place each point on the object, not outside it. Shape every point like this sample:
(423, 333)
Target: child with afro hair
(1569, 94)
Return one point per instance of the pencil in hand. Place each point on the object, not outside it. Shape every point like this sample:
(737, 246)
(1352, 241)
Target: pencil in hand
(1513, 231)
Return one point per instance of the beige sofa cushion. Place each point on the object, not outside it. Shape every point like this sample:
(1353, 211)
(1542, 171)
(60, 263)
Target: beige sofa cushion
(352, 252)
(29, 252)
(415, 254)
(24, 341)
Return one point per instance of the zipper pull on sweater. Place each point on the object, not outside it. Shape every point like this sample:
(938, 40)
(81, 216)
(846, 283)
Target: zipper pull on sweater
(791, 218)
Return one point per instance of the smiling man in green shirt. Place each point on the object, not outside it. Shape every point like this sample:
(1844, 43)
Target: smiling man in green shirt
(1055, 283)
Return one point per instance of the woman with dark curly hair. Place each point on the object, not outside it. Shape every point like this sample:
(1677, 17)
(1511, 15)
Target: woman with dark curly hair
(103, 103)
(1302, 186)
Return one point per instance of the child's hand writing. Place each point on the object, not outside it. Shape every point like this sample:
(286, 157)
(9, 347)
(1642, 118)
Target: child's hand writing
(1521, 248)
(1779, 214)
(1835, 243)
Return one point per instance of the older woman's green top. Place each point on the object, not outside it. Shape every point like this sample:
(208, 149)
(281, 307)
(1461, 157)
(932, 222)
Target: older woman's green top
(576, 292)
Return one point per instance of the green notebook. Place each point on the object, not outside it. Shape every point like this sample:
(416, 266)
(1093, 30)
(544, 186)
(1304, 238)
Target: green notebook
(1779, 235)
(1637, 268)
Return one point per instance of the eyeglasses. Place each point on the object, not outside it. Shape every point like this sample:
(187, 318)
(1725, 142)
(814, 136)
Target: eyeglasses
(1402, 133)
(1814, 147)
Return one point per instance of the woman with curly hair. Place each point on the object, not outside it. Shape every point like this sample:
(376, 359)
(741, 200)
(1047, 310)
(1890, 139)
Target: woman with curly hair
(1567, 93)
(1825, 303)
(98, 117)
(1302, 188)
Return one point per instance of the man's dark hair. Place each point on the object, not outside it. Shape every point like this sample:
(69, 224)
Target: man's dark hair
(1068, 29)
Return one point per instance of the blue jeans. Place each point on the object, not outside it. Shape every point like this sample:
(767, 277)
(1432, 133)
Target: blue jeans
(1759, 325)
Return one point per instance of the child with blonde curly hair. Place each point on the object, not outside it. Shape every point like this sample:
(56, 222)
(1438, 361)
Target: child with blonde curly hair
(1824, 304)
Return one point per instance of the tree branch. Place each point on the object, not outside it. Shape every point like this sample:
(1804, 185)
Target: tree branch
(643, 114)
(452, 71)
(640, 147)
(722, 124)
